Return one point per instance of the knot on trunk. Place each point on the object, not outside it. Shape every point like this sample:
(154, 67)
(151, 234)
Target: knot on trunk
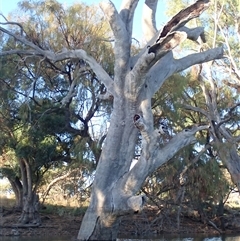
(136, 203)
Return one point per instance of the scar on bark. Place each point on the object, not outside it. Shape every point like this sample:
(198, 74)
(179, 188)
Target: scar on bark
(136, 117)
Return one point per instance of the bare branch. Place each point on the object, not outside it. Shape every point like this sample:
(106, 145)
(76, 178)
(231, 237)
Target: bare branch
(117, 25)
(122, 40)
(198, 58)
(12, 23)
(197, 109)
(168, 43)
(160, 71)
(148, 19)
(194, 161)
(177, 23)
(235, 68)
(140, 76)
(23, 40)
(155, 53)
(179, 141)
(132, 181)
(71, 93)
(127, 13)
(193, 33)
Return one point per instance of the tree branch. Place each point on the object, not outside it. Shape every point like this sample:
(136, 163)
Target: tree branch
(148, 19)
(132, 181)
(71, 93)
(117, 25)
(197, 109)
(155, 53)
(55, 57)
(193, 33)
(168, 43)
(182, 139)
(12, 23)
(177, 23)
(198, 58)
(122, 40)
(127, 13)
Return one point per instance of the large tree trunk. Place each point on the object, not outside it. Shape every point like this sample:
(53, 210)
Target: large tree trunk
(115, 185)
(30, 208)
(101, 219)
(16, 186)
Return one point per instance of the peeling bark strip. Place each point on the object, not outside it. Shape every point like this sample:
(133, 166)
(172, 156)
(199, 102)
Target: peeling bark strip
(168, 43)
(175, 23)
(184, 16)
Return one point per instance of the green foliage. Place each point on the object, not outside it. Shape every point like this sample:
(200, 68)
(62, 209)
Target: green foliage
(7, 172)
(78, 26)
(207, 182)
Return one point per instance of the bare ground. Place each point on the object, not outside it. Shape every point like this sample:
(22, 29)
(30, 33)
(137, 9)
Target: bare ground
(150, 221)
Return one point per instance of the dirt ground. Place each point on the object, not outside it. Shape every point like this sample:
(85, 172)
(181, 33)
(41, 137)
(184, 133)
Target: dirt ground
(147, 223)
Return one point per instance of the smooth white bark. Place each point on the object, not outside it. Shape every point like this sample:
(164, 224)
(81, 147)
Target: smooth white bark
(149, 19)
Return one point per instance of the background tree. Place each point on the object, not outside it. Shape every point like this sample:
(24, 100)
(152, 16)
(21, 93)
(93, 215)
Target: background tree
(133, 84)
(194, 176)
(54, 103)
(219, 82)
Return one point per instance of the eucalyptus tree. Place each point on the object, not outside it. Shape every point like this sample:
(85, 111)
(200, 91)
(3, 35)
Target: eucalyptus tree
(135, 80)
(28, 149)
(52, 104)
(225, 116)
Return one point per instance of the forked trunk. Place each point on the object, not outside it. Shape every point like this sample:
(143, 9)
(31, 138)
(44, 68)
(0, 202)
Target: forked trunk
(116, 184)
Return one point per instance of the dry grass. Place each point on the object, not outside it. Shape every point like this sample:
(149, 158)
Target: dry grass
(61, 207)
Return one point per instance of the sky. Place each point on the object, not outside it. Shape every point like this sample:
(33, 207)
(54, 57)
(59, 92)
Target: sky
(6, 6)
